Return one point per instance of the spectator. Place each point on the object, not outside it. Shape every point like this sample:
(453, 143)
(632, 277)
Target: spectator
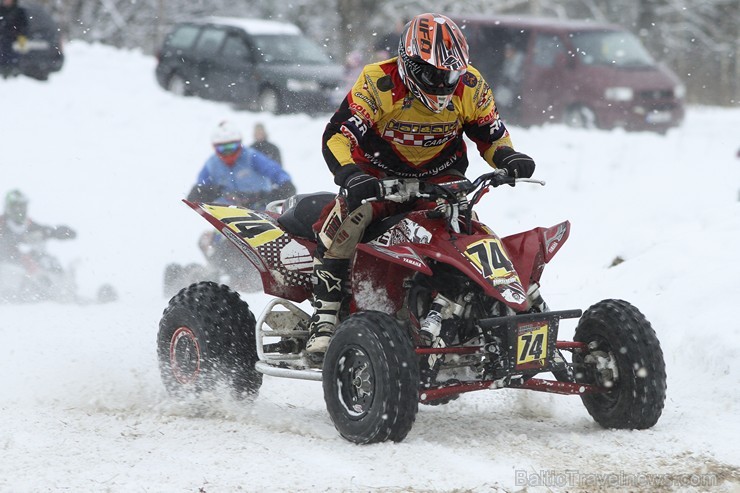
(507, 89)
(13, 35)
(264, 146)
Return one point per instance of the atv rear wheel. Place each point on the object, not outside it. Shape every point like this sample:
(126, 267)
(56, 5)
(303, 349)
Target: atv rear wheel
(206, 338)
(625, 356)
(371, 379)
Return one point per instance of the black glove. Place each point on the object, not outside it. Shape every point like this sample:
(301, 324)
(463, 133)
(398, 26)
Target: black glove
(205, 193)
(64, 233)
(359, 186)
(517, 164)
(283, 191)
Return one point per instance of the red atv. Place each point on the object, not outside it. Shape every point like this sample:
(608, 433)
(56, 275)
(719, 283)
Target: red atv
(439, 305)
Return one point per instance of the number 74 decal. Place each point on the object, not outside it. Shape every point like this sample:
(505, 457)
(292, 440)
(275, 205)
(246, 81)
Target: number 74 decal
(489, 258)
(531, 344)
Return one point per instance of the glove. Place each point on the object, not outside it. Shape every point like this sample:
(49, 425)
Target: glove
(359, 186)
(64, 233)
(205, 193)
(517, 164)
(283, 191)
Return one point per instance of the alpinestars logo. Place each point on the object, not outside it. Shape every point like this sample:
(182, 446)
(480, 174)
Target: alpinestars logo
(330, 280)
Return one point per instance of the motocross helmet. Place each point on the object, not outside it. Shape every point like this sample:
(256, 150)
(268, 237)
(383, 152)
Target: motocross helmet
(432, 56)
(227, 142)
(16, 206)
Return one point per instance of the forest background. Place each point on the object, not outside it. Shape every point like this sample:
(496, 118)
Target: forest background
(698, 39)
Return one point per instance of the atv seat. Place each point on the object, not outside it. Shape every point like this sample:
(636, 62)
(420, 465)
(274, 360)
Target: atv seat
(302, 211)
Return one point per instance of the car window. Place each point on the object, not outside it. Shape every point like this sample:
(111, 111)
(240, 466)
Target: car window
(183, 37)
(617, 48)
(546, 49)
(40, 23)
(235, 49)
(496, 49)
(209, 42)
(289, 48)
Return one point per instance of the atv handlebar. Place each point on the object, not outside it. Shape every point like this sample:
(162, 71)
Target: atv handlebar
(451, 197)
(406, 189)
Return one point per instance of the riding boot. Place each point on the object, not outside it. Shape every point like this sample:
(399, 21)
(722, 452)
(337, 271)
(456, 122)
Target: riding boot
(329, 276)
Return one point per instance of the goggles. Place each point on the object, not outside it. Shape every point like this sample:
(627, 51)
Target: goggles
(436, 81)
(228, 148)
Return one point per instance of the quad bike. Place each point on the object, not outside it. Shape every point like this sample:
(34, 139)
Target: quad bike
(39, 276)
(439, 305)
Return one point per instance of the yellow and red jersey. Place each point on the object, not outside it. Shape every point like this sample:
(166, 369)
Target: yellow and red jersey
(384, 129)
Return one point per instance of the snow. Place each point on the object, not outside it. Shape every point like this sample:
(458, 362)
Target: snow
(102, 148)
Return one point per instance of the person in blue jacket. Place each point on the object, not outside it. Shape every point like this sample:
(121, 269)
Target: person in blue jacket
(236, 175)
(239, 175)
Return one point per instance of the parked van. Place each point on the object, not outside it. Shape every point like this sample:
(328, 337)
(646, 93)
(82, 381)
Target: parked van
(260, 64)
(585, 74)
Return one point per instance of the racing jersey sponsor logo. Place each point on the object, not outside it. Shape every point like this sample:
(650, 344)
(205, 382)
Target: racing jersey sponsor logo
(359, 109)
(469, 79)
(370, 101)
(420, 134)
(354, 129)
(421, 173)
(485, 98)
(369, 85)
(491, 116)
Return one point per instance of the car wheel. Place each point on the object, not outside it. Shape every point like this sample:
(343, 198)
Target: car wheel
(178, 85)
(580, 116)
(268, 100)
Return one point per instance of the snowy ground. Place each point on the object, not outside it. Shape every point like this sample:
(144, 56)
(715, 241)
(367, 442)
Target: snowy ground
(102, 148)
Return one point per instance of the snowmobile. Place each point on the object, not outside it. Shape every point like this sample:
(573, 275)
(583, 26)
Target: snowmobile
(39, 276)
(439, 305)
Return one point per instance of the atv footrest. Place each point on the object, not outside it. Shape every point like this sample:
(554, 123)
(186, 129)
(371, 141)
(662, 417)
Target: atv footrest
(278, 368)
(287, 323)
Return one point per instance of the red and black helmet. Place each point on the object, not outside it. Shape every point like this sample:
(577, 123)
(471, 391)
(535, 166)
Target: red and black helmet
(432, 56)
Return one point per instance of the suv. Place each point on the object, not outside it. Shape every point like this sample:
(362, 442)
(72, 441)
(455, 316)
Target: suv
(263, 65)
(582, 73)
(44, 46)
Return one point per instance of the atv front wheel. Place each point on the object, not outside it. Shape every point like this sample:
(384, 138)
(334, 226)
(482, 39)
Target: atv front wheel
(206, 338)
(624, 356)
(371, 379)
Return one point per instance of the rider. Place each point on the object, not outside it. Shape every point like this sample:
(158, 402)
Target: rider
(239, 175)
(236, 175)
(404, 117)
(17, 229)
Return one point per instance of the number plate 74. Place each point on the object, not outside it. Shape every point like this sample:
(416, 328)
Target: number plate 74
(531, 345)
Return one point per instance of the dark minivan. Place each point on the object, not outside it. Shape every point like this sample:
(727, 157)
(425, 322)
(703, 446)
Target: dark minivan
(582, 73)
(259, 64)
